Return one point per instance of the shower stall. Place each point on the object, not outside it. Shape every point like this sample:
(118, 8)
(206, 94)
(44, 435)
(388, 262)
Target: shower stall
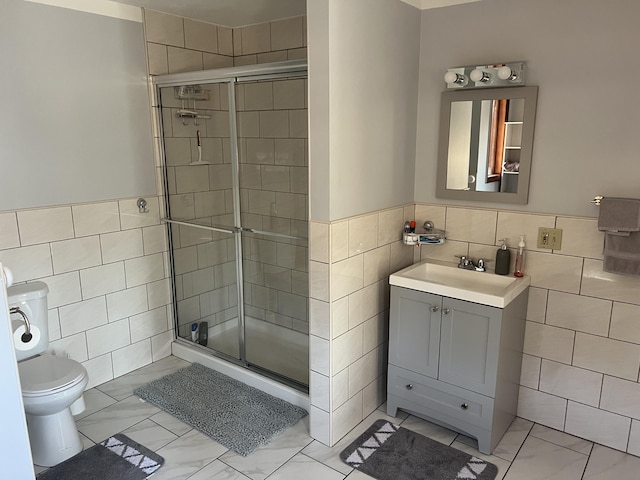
(235, 172)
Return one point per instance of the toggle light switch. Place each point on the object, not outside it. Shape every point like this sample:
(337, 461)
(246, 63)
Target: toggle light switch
(550, 238)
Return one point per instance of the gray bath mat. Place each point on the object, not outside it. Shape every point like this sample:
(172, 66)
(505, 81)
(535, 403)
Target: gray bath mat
(117, 458)
(234, 414)
(389, 452)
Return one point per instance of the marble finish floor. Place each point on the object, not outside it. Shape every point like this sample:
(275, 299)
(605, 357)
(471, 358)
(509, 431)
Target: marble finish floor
(527, 452)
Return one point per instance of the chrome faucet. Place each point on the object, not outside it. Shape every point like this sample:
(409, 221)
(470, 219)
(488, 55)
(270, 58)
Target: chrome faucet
(469, 264)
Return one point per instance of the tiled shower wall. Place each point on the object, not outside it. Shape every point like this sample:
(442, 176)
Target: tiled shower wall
(177, 44)
(106, 269)
(272, 131)
(274, 178)
(582, 344)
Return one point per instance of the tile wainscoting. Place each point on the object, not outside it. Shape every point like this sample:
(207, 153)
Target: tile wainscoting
(582, 344)
(107, 271)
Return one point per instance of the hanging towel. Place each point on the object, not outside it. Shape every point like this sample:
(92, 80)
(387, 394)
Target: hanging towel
(622, 254)
(620, 220)
(619, 215)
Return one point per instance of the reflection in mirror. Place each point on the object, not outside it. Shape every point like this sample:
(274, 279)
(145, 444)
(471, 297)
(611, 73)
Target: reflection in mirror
(485, 144)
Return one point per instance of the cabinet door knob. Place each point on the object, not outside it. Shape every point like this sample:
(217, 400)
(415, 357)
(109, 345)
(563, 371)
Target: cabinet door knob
(446, 311)
(409, 387)
(435, 308)
(464, 406)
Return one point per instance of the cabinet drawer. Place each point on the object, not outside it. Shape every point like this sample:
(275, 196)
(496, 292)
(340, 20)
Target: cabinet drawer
(441, 400)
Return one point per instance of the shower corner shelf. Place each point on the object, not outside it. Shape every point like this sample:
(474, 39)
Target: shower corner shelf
(192, 92)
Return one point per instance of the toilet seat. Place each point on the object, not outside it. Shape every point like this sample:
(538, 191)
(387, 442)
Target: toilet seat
(47, 374)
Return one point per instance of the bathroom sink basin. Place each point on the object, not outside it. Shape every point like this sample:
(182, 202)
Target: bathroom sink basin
(443, 278)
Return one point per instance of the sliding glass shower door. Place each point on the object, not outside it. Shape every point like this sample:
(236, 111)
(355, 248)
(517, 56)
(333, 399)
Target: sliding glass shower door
(236, 175)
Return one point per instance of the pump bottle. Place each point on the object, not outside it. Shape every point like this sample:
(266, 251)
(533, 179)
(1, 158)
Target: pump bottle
(503, 259)
(519, 269)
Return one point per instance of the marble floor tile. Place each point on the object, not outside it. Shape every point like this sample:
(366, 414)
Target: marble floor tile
(217, 470)
(150, 434)
(542, 460)
(187, 455)
(512, 441)
(563, 439)
(606, 463)
(526, 452)
(123, 387)
(305, 467)
(115, 418)
(268, 458)
(430, 430)
(171, 423)
(94, 400)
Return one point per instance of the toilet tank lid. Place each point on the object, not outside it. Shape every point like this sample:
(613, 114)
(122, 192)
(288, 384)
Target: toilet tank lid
(27, 291)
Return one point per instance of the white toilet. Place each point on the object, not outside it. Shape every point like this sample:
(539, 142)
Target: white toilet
(52, 386)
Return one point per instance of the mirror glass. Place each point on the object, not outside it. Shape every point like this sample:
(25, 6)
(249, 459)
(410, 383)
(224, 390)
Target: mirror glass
(485, 144)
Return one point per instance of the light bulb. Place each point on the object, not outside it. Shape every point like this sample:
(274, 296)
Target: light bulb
(450, 77)
(505, 73)
(478, 75)
(455, 78)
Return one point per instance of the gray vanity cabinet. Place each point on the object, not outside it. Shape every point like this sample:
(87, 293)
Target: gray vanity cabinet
(456, 363)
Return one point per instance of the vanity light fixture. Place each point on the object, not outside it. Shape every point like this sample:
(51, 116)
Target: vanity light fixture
(511, 74)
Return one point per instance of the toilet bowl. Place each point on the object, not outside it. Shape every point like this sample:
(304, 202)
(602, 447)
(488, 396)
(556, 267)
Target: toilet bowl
(52, 386)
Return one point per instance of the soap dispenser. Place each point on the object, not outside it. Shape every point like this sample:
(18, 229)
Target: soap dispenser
(519, 271)
(503, 258)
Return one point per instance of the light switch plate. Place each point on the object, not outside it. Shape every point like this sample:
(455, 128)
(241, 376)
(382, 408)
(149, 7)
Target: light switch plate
(550, 238)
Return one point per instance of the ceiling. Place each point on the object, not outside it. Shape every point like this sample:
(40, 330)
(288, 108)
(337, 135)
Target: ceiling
(236, 13)
(230, 13)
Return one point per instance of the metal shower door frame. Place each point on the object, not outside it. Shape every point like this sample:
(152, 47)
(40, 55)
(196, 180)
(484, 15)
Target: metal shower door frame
(230, 76)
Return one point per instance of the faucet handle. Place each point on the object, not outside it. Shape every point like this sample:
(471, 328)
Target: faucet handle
(481, 265)
(464, 261)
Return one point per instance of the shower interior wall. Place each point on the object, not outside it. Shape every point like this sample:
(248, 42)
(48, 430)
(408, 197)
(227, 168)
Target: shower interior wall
(273, 190)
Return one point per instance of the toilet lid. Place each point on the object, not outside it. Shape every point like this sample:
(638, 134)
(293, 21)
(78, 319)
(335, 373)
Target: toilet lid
(42, 374)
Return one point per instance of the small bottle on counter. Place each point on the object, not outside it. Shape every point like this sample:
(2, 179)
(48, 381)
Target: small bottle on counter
(519, 271)
(503, 259)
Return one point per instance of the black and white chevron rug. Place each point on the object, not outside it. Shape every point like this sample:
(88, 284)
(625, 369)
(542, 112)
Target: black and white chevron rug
(117, 458)
(389, 452)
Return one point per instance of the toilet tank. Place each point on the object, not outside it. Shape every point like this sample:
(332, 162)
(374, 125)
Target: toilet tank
(31, 299)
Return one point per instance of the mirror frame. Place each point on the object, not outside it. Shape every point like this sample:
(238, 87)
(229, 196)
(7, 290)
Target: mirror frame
(530, 95)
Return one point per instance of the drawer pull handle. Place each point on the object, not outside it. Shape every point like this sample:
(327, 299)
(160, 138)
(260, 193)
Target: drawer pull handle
(409, 387)
(435, 309)
(464, 406)
(446, 311)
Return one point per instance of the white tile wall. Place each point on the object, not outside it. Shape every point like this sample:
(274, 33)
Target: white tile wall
(85, 259)
(582, 356)
(45, 225)
(94, 219)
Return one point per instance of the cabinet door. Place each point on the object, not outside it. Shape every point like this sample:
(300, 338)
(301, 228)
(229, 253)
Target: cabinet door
(414, 331)
(470, 345)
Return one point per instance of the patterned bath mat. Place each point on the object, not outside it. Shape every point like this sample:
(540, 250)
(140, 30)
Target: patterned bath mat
(238, 416)
(389, 452)
(117, 458)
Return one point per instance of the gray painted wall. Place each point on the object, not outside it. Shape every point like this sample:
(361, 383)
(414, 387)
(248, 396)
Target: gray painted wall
(363, 70)
(586, 136)
(75, 124)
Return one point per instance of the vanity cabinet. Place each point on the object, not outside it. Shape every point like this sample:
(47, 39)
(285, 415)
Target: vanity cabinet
(456, 363)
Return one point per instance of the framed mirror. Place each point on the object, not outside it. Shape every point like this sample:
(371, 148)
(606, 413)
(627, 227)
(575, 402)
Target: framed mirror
(485, 144)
